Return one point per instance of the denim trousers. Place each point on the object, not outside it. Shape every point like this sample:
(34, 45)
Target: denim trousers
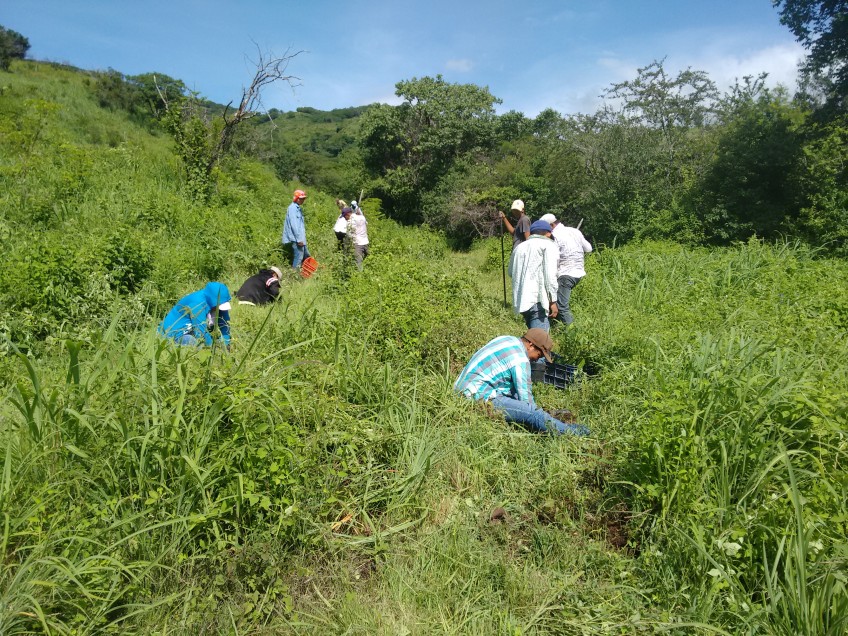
(535, 418)
(536, 316)
(300, 253)
(533, 318)
(566, 284)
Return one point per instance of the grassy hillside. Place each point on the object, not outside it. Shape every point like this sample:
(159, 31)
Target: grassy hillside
(313, 146)
(322, 477)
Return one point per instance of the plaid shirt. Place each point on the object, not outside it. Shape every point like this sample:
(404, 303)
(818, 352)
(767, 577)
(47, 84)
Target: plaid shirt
(499, 368)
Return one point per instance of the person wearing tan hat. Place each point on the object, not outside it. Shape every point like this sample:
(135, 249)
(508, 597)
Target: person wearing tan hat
(261, 288)
(521, 230)
(499, 373)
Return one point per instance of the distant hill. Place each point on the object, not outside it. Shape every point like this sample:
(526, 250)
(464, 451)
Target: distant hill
(306, 144)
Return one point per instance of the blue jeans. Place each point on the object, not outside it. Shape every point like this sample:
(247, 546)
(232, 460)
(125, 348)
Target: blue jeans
(566, 284)
(536, 316)
(300, 253)
(535, 418)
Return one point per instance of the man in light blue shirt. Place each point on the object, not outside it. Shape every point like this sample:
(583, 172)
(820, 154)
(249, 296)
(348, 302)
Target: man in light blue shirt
(500, 374)
(294, 229)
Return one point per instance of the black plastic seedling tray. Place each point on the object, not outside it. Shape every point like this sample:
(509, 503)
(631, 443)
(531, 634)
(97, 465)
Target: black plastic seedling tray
(560, 375)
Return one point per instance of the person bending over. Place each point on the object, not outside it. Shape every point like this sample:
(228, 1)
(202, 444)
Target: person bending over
(261, 288)
(199, 317)
(499, 373)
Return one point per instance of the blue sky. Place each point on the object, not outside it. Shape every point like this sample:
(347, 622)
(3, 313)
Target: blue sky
(532, 54)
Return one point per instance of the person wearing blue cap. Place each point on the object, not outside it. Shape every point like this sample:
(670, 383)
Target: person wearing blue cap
(533, 269)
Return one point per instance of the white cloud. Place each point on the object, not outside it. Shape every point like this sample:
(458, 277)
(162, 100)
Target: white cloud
(384, 98)
(779, 61)
(580, 93)
(462, 65)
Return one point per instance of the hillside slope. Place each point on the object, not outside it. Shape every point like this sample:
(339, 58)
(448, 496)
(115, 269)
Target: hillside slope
(322, 476)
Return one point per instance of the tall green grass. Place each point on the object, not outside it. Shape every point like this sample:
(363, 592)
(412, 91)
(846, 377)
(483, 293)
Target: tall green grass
(323, 477)
(731, 431)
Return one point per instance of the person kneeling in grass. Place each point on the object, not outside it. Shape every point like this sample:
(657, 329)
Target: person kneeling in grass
(500, 374)
(261, 288)
(199, 317)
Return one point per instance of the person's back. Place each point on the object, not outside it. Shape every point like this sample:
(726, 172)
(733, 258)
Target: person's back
(358, 232)
(499, 374)
(533, 271)
(192, 318)
(499, 368)
(359, 229)
(570, 269)
(572, 247)
(261, 288)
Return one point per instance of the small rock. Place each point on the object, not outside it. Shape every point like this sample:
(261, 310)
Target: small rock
(498, 515)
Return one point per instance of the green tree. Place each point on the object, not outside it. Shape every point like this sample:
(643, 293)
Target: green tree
(512, 125)
(671, 106)
(824, 179)
(13, 46)
(822, 27)
(144, 96)
(408, 148)
(752, 185)
(627, 168)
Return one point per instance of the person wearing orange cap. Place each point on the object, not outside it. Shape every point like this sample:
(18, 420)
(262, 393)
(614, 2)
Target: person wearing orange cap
(294, 229)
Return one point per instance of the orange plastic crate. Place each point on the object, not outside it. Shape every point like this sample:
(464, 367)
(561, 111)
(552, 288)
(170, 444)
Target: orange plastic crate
(308, 267)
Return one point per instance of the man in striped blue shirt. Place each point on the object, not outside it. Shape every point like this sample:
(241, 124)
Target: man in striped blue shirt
(500, 373)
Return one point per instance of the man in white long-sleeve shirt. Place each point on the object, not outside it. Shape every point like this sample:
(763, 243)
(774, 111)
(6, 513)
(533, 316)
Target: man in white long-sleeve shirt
(572, 247)
(533, 271)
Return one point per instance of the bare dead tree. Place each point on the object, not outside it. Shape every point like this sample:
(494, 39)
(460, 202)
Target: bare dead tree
(186, 116)
(269, 70)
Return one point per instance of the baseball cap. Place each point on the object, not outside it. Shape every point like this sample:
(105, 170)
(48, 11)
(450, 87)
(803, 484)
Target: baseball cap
(550, 218)
(277, 271)
(298, 194)
(518, 204)
(541, 339)
(540, 226)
